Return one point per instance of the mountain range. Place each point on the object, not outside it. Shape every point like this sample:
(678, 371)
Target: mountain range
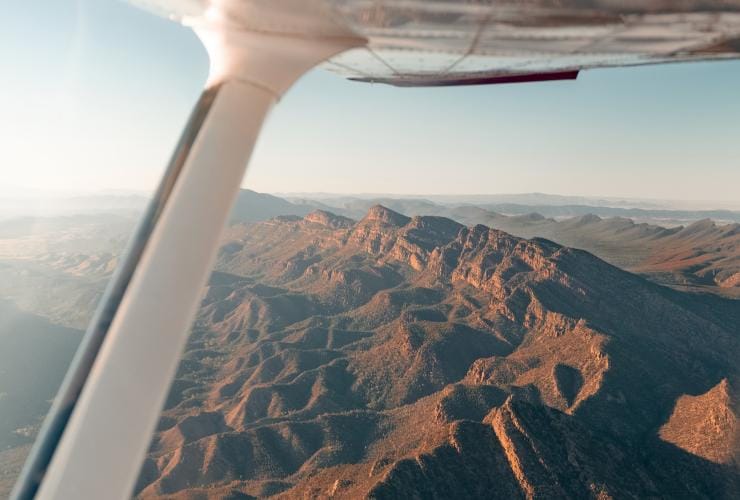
(416, 357)
(655, 211)
(433, 328)
(703, 254)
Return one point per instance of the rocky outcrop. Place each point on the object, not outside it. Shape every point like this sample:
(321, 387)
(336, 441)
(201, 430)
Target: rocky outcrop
(706, 425)
(329, 219)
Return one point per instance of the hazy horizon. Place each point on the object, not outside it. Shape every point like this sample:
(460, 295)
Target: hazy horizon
(595, 196)
(49, 198)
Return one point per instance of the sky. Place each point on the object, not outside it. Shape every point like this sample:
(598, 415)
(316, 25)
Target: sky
(96, 92)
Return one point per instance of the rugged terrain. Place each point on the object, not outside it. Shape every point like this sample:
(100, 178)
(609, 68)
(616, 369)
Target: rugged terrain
(687, 250)
(315, 326)
(415, 357)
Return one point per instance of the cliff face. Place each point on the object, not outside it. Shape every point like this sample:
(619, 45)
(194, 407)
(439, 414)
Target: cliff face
(405, 357)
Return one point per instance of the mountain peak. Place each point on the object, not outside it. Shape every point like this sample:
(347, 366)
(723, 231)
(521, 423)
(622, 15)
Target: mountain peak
(701, 224)
(384, 214)
(589, 218)
(329, 219)
(530, 217)
(698, 227)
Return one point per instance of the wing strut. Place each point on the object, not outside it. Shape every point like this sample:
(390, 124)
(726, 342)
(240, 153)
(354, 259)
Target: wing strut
(94, 441)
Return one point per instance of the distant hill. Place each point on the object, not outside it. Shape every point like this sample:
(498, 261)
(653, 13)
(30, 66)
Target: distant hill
(666, 216)
(251, 206)
(39, 205)
(547, 205)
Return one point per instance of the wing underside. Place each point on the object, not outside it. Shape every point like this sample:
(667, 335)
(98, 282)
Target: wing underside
(448, 42)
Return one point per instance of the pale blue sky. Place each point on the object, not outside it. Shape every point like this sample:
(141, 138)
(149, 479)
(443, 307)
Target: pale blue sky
(95, 93)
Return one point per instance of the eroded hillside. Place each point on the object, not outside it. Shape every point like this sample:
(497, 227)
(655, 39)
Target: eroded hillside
(402, 357)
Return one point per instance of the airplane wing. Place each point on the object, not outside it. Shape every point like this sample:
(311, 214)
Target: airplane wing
(455, 42)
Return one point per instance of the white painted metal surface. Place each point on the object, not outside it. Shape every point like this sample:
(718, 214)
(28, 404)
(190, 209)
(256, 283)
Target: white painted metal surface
(416, 42)
(105, 441)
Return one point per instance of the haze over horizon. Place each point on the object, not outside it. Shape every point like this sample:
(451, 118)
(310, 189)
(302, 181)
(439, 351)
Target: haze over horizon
(545, 194)
(38, 205)
(28, 199)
